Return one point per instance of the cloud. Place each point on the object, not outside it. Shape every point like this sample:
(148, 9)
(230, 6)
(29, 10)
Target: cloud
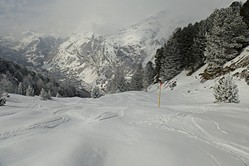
(102, 16)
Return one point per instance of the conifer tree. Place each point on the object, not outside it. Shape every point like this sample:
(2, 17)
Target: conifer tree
(137, 79)
(185, 41)
(30, 91)
(158, 58)
(44, 95)
(121, 81)
(225, 39)
(244, 12)
(148, 75)
(198, 47)
(172, 63)
(1, 91)
(225, 90)
(2, 100)
(49, 95)
(58, 95)
(118, 83)
(226, 36)
(20, 89)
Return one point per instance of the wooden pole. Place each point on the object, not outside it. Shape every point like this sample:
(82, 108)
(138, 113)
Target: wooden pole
(159, 94)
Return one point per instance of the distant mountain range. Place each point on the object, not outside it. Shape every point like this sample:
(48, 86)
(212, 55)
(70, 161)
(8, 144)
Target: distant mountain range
(93, 57)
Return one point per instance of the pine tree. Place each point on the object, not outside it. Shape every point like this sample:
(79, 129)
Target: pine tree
(30, 91)
(244, 12)
(172, 63)
(49, 95)
(236, 4)
(2, 99)
(226, 36)
(1, 91)
(18, 75)
(198, 47)
(185, 40)
(158, 58)
(20, 89)
(148, 75)
(121, 81)
(45, 95)
(118, 83)
(137, 79)
(6, 85)
(225, 90)
(58, 95)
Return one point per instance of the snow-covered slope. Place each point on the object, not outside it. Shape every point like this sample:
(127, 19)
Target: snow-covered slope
(128, 128)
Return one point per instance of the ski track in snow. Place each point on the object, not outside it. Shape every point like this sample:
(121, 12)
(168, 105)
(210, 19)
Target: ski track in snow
(28, 128)
(224, 145)
(218, 128)
(110, 115)
(212, 157)
(194, 130)
(52, 122)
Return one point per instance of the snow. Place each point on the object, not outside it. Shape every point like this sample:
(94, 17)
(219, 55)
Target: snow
(244, 54)
(128, 128)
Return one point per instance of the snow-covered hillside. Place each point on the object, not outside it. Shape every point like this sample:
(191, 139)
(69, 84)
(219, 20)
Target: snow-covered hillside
(128, 128)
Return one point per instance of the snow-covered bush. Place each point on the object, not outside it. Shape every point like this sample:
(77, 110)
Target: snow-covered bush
(225, 90)
(44, 95)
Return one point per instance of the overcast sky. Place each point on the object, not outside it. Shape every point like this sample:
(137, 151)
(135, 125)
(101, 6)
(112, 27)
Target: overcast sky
(104, 16)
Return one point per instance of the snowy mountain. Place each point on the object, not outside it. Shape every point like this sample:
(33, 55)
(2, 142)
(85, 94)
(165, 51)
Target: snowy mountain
(93, 57)
(32, 49)
(8, 50)
(37, 48)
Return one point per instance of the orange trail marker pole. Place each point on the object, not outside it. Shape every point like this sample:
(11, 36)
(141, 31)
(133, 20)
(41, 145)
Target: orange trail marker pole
(159, 94)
